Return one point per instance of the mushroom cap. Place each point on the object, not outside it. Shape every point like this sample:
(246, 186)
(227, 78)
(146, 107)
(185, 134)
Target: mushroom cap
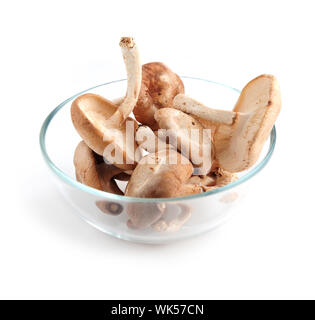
(85, 164)
(159, 175)
(154, 144)
(143, 215)
(257, 109)
(89, 113)
(92, 171)
(188, 135)
(158, 88)
(239, 135)
(175, 223)
(188, 189)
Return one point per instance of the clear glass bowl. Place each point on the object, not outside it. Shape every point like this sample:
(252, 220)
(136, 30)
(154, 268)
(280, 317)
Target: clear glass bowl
(201, 212)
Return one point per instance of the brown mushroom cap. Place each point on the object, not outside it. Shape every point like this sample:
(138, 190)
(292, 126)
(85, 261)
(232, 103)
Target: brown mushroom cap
(261, 101)
(92, 171)
(143, 215)
(188, 189)
(174, 224)
(89, 114)
(85, 164)
(240, 134)
(153, 144)
(159, 175)
(158, 88)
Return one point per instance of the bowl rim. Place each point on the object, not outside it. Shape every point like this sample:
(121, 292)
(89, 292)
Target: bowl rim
(69, 180)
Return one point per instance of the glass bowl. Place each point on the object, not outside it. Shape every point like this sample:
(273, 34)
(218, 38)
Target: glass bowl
(109, 212)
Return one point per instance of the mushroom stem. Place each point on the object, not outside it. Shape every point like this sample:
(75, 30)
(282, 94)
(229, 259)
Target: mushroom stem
(193, 107)
(152, 143)
(134, 74)
(187, 135)
(118, 101)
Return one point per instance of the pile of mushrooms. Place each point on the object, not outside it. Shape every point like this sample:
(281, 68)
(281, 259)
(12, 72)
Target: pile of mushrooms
(148, 138)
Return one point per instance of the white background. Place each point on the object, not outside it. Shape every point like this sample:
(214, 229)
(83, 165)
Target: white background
(53, 49)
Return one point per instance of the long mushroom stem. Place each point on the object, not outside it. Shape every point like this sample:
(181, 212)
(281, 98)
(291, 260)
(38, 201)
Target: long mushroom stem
(193, 107)
(134, 76)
